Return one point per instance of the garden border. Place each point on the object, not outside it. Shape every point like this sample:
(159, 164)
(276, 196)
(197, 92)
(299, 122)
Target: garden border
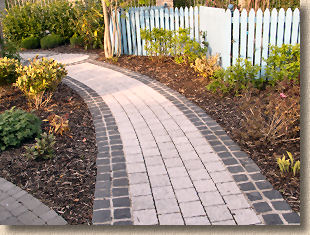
(112, 204)
(265, 200)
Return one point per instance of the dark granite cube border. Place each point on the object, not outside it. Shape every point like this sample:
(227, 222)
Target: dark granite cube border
(243, 169)
(112, 205)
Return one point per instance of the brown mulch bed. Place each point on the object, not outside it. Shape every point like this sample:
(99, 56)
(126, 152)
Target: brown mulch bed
(65, 183)
(225, 110)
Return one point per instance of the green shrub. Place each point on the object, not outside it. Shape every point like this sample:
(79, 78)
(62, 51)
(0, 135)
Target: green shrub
(33, 19)
(235, 78)
(30, 43)
(40, 79)
(51, 41)
(176, 43)
(289, 165)
(42, 149)
(8, 73)
(9, 49)
(89, 24)
(17, 126)
(283, 62)
(76, 40)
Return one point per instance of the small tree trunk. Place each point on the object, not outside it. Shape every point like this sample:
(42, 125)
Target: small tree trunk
(107, 39)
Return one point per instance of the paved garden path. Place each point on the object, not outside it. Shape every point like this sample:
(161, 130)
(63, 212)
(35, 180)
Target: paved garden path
(163, 160)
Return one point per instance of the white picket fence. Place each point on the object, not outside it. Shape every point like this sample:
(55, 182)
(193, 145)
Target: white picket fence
(237, 35)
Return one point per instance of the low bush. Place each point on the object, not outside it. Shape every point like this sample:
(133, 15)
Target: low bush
(206, 67)
(33, 19)
(283, 63)
(59, 125)
(42, 149)
(271, 117)
(30, 43)
(16, 127)
(76, 41)
(40, 79)
(288, 166)
(9, 49)
(51, 41)
(8, 73)
(235, 78)
(175, 43)
(88, 24)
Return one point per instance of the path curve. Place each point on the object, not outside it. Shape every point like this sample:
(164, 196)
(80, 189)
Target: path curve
(163, 160)
(17, 207)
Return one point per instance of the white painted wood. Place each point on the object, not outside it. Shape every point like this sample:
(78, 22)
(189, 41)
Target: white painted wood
(288, 26)
(177, 18)
(162, 18)
(258, 37)
(128, 28)
(124, 33)
(142, 26)
(243, 33)
(157, 24)
(167, 25)
(191, 22)
(250, 54)
(266, 30)
(273, 27)
(186, 22)
(171, 18)
(196, 23)
(139, 42)
(152, 19)
(182, 25)
(235, 51)
(295, 26)
(280, 33)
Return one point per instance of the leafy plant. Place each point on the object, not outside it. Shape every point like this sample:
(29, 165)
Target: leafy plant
(59, 125)
(271, 118)
(283, 63)
(42, 149)
(34, 18)
(17, 126)
(175, 43)
(76, 40)
(30, 43)
(9, 49)
(51, 41)
(206, 67)
(287, 165)
(8, 73)
(88, 24)
(40, 79)
(235, 78)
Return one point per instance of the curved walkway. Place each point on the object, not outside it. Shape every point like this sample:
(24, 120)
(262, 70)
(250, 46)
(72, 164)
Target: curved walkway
(163, 160)
(17, 207)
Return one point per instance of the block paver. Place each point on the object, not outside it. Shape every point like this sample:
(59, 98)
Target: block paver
(17, 207)
(171, 147)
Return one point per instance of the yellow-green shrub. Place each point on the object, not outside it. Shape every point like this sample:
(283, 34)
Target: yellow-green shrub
(40, 79)
(206, 66)
(8, 73)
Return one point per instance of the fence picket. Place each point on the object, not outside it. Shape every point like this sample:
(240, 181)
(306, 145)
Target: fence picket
(166, 19)
(266, 30)
(288, 26)
(152, 19)
(225, 57)
(134, 34)
(250, 53)
(280, 33)
(243, 33)
(171, 19)
(295, 26)
(235, 52)
(258, 37)
(162, 18)
(191, 22)
(181, 18)
(142, 26)
(157, 25)
(196, 23)
(176, 18)
(137, 19)
(123, 34)
(273, 27)
(186, 24)
(128, 28)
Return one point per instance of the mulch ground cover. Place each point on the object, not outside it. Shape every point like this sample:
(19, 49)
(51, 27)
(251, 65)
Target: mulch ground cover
(65, 183)
(225, 110)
